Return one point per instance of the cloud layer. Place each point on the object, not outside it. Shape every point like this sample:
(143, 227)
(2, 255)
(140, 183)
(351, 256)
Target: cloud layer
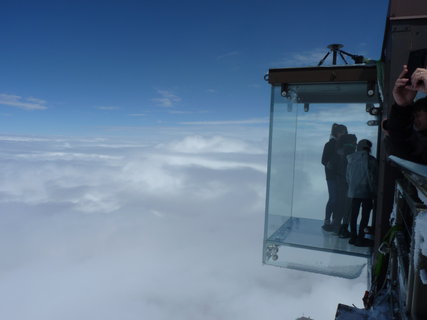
(98, 229)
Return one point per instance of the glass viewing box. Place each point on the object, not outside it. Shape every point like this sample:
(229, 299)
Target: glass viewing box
(305, 102)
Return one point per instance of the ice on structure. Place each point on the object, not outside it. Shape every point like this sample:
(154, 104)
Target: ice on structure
(350, 313)
(379, 311)
(393, 213)
(423, 276)
(422, 196)
(420, 170)
(420, 236)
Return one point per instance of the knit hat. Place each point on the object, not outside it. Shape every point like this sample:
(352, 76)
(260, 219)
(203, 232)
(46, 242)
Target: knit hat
(364, 144)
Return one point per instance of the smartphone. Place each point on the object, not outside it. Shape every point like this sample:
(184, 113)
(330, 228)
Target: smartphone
(417, 59)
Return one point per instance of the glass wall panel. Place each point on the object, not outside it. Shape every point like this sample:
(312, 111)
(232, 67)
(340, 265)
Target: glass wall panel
(281, 161)
(297, 191)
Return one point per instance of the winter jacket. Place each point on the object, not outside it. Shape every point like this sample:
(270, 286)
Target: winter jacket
(362, 173)
(405, 142)
(328, 155)
(335, 153)
(346, 145)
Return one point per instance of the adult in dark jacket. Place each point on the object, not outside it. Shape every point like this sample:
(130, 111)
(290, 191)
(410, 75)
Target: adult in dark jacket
(329, 159)
(407, 122)
(346, 145)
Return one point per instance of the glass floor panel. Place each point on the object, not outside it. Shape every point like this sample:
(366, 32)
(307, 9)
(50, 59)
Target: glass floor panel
(327, 263)
(308, 233)
(302, 244)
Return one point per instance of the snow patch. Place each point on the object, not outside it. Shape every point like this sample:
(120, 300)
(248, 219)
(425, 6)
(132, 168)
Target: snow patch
(420, 236)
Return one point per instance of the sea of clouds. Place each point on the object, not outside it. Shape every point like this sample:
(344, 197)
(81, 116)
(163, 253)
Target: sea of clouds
(165, 228)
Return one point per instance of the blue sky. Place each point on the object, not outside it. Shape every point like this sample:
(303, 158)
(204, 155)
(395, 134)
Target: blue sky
(101, 67)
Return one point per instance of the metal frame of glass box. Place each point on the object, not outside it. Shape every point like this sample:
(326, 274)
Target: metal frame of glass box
(294, 239)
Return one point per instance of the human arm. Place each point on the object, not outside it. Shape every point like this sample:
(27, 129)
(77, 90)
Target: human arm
(403, 93)
(328, 151)
(399, 125)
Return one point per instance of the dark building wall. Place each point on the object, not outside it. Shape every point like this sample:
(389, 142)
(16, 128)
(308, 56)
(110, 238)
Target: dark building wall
(406, 30)
(407, 8)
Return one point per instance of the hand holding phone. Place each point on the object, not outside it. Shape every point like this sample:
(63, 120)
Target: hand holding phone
(416, 60)
(419, 79)
(403, 93)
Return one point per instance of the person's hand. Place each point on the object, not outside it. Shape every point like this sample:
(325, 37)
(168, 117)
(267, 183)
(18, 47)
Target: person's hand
(402, 93)
(419, 80)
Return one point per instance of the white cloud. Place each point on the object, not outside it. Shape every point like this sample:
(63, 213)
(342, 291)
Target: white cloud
(227, 122)
(198, 111)
(68, 156)
(228, 54)
(303, 59)
(216, 144)
(153, 231)
(167, 99)
(136, 114)
(180, 112)
(36, 100)
(312, 57)
(23, 139)
(22, 103)
(107, 108)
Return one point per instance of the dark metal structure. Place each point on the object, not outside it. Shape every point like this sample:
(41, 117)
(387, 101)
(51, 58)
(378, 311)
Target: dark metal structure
(406, 31)
(400, 183)
(336, 50)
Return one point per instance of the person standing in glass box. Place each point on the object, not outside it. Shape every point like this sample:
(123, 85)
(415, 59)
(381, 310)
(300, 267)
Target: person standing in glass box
(362, 171)
(346, 145)
(329, 160)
